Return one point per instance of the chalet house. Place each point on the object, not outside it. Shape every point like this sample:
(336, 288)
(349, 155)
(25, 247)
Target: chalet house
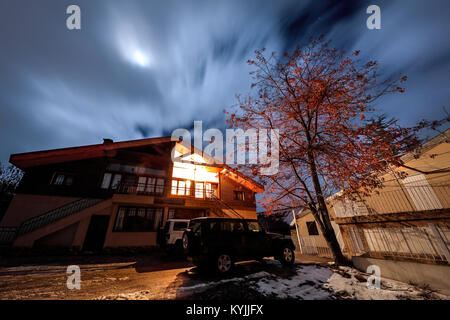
(118, 194)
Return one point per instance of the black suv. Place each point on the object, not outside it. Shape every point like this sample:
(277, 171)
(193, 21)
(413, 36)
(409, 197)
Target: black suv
(219, 242)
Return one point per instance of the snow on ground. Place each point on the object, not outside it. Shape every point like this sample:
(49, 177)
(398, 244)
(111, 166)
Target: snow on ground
(307, 282)
(215, 283)
(314, 282)
(389, 290)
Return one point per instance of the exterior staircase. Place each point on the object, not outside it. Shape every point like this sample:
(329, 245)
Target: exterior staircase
(9, 234)
(220, 206)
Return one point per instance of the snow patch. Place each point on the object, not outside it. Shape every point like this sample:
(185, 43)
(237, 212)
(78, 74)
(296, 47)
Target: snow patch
(215, 283)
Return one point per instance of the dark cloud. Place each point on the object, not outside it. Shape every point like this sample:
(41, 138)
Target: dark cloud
(143, 68)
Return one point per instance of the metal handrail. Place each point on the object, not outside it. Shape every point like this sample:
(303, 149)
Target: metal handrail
(56, 214)
(217, 200)
(7, 234)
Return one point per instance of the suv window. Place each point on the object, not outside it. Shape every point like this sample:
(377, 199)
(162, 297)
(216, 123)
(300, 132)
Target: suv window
(179, 226)
(254, 227)
(214, 226)
(196, 228)
(233, 226)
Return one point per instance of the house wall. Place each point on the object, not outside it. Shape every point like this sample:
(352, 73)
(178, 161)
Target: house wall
(82, 218)
(227, 186)
(61, 238)
(26, 206)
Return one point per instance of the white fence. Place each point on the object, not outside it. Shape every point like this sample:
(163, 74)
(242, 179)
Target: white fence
(427, 243)
(430, 242)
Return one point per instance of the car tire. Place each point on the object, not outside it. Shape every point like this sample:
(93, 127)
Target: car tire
(286, 256)
(223, 263)
(179, 250)
(185, 243)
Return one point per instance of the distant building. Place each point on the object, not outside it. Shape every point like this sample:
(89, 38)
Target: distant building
(279, 221)
(308, 237)
(118, 194)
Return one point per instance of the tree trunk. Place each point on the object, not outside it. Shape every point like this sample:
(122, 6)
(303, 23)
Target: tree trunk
(325, 224)
(332, 241)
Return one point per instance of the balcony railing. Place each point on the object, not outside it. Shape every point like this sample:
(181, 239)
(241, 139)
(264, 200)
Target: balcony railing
(405, 199)
(139, 188)
(144, 189)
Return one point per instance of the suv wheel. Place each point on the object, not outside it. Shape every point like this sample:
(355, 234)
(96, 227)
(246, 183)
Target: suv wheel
(224, 263)
(185, 243)
(286, 256)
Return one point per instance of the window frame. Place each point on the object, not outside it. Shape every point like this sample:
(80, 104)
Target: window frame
(191, 190)
(136, 217)
(236, 197)
(311, 226)
(65, 176)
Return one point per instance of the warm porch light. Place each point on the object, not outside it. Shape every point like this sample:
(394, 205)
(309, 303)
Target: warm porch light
(193, 172)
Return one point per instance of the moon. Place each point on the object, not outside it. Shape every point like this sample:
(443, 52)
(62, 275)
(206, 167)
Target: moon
(140, 58)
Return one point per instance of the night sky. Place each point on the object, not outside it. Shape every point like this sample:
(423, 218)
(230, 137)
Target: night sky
(143, 68)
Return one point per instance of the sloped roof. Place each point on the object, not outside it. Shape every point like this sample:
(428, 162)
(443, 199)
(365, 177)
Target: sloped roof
(44, 157)
(36, 158)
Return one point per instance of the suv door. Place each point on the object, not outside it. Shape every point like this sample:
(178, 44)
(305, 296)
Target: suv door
(213, 235)
(256, 240)
(233, 237)
(195, 237)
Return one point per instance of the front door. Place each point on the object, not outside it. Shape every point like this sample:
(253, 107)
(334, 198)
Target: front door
(96, 234)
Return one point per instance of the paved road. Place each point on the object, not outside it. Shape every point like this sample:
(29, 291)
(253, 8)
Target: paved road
(150, 277)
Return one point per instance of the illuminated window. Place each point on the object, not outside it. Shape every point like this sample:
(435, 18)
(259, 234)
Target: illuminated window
(174, 186)
(199, 189)
(188, 187)
(181, 188)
